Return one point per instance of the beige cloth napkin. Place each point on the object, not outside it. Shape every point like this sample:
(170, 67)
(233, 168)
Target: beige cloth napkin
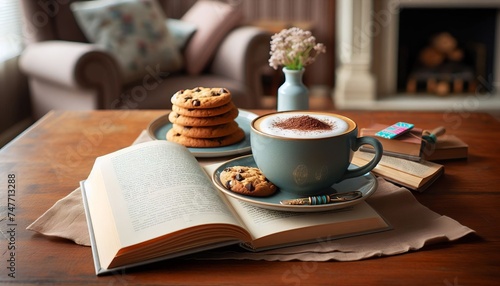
(414, 226)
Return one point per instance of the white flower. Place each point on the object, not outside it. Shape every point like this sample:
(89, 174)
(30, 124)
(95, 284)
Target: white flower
(294, 49)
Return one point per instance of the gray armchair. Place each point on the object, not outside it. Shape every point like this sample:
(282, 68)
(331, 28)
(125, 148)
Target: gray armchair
(65, 71)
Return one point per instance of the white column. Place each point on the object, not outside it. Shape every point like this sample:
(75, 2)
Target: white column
(355, 83)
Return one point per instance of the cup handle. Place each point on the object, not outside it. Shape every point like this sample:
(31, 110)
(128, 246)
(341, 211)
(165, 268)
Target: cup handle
(370, 165)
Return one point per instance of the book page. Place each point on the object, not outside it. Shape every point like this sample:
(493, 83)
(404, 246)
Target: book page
(156, 188)
(100, 217)
(421, 169)
(270, 228)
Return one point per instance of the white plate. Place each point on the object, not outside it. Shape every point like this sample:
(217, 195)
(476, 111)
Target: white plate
(159, 127)
(366, 184)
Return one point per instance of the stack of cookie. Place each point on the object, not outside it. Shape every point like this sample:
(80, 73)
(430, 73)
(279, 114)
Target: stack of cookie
(204, 117)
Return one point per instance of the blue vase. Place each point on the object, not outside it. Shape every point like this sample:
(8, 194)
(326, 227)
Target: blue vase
(293, 94)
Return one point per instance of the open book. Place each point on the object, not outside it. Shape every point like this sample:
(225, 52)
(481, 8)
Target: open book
(416, 176)
(154, 201)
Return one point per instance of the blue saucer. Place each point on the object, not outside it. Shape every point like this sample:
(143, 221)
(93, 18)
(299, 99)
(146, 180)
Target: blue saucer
(159, 127)
(366, 184)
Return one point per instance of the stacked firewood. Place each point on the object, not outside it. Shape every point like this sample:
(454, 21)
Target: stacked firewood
(441, 67)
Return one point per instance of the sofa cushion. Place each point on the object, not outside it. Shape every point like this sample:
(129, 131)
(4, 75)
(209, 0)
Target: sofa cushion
(213, 20)
(181, 32)
(133, 31)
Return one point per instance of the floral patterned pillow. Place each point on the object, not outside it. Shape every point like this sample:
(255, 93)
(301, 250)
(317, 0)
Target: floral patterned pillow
(133, 31)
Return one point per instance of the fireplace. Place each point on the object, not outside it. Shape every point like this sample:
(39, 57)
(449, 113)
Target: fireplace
(446, 51)
(418, 54)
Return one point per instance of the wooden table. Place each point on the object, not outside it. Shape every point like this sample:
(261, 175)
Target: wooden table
(56, 153)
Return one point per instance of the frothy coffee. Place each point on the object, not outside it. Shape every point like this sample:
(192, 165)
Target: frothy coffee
(303, 125)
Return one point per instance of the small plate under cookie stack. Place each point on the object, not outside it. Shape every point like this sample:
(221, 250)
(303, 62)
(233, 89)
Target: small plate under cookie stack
(204, 117)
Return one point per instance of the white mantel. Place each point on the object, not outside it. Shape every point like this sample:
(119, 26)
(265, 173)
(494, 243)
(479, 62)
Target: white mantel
(367, 58)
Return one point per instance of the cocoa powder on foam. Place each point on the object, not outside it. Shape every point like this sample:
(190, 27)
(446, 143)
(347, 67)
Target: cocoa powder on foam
(304, 123)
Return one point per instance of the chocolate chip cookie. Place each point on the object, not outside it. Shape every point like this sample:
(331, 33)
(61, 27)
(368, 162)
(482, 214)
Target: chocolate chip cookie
(203, 112)
(206, 142)
(184, 120)
(248, 181)
(201, 97)
(206, 132)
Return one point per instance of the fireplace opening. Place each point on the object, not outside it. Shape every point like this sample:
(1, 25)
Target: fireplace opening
(446, 51)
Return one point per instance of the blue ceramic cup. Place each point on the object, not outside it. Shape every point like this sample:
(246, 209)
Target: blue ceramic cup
(306, 152)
